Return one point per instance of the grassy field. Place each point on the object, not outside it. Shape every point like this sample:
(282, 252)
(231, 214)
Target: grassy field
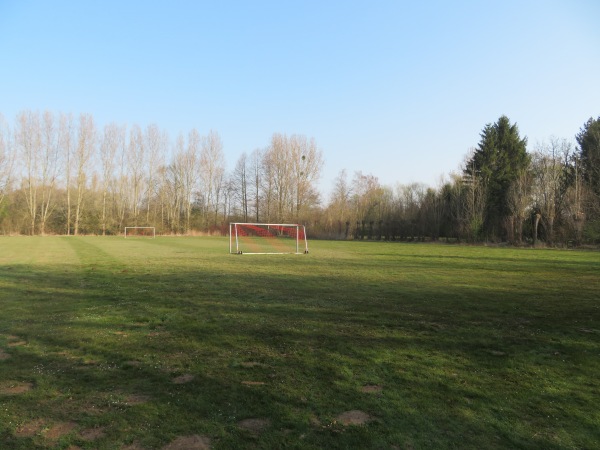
(171, 343)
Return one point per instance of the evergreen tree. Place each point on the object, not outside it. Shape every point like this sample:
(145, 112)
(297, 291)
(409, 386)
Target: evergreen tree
(588, 139)
(498, 161)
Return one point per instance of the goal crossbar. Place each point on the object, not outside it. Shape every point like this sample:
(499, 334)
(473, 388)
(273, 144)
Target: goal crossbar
(267, 238)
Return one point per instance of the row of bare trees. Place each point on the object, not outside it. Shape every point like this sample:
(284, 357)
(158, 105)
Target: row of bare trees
(277, 184)
(63, 175)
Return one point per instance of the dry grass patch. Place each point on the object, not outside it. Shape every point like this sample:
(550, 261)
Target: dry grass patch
(15, 388)
(254, 425)
(250, 364)
(92, 434)
(30, 429)
(137, 399)
(182, 379)
(58, 430)
(354, 417)
(371, 389)
(253, 383)
(133, 446)
(194, 442)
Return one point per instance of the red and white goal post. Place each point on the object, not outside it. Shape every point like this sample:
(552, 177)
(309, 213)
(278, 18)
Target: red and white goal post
(267, 238)
(149, 232)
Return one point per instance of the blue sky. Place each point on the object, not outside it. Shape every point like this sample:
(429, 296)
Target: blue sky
(400, 90)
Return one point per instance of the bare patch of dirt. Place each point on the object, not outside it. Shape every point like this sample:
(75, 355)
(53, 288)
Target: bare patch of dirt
(249, 364)
(137, 399)
(354, 417)
(253, 383)
(15, 388)
(371, 389)
(121, 333)
(134, 446)
(59, 430)
(30, 429)
(194, 442)
(182, 379)
(254, 425)
(17, 343)
(3, 355)
(92, 434)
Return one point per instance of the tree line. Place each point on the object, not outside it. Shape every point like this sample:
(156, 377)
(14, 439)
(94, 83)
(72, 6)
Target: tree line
(502, 193)
(63, 175)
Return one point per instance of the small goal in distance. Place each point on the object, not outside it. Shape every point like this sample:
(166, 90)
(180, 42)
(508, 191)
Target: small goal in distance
(149, 232)
(267, 238)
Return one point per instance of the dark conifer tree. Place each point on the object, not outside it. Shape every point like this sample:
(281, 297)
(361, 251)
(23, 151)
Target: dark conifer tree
(499, 158)
(588, 139)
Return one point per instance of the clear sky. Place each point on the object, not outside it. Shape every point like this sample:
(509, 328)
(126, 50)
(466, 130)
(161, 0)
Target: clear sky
(396, 89)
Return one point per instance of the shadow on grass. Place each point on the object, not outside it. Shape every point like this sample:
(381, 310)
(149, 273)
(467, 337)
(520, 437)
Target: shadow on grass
(485, 368)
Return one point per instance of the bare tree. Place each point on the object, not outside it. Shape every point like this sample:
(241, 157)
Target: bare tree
(228, 195)
(366, 201)
(339, 209)
(135, 162)
(172, 195)
(278, 186)
(156, 143)
(239, 186)
(189, 168)
(518, 201)
(184, 174)
(66, 145)
(28, 141)
(212, 171)
(113, 139)
(121, 189)
(6, 159)
(410, 198)
(473, 194)
(86, 142)
(256, 172)
(307, 162)
(48, 164)
(549, 164)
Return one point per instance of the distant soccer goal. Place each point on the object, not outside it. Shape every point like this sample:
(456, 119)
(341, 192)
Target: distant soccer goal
(148, 232)
(267, 238)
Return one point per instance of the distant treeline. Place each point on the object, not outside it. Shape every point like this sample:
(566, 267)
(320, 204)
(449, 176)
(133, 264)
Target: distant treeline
(63, 175)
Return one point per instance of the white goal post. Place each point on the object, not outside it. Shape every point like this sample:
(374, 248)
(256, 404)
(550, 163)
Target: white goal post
(140, 232)
(267, 238)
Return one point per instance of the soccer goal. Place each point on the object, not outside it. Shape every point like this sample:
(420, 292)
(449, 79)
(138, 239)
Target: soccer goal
(149, 232)
(267, 238)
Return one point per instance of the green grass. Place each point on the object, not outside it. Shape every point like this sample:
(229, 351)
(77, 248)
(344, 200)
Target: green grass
(472, 347)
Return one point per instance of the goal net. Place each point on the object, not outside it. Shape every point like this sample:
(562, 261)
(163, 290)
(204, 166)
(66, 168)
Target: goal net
(149, 232)
(267, 238)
